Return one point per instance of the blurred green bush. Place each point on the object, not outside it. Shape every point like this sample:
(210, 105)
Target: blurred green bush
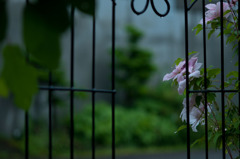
(134, 127)
(151, 121)
(134, 67)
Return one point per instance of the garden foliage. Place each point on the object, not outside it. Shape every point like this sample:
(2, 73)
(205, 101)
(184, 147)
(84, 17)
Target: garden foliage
(197, 106)
(134, 67)
(42, 29)
(135, 127)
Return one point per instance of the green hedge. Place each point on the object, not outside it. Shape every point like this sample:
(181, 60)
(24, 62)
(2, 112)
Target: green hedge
(134, 127)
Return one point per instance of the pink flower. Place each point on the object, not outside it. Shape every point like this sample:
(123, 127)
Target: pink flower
(195, 113)
(215, 11)
(194, 72)
(176, 73)
(179, 73)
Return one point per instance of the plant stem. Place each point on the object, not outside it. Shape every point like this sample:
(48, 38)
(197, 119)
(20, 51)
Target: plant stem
(234, 17)
(229, 152)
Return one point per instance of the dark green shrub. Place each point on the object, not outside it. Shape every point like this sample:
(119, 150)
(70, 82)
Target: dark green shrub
(134, 67)
(134, 127)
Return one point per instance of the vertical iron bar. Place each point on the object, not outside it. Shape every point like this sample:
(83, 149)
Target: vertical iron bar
(50, 116)
(113, 77)
(187, 78)
(222, 83)
(26, 121)
(72, 85)
(239, 70)
(205, 78)
(26, 136)
(93, 85)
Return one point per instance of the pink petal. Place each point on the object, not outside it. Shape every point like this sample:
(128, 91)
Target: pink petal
(215, 11)
(210, 6)
(180, 66)
(192, 100)
(183, 114)
(181, 76)
(207, 19)
(211, 14)
(226, 6)
(168, 77)
(181, 87)
(195, 74)
(195, 113)
(191, 63)
(197, 66)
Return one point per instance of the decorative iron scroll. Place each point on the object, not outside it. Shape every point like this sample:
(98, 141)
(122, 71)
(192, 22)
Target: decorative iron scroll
(153, 7)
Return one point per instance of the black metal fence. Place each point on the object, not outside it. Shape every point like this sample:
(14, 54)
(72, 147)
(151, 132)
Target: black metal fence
(206, 91)
(50, 88)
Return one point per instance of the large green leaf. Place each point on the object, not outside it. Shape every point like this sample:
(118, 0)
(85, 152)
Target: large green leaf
(3, 88)
(54, 13)
(85, 6)
(20, 77)
(3, 19)
(43, 24)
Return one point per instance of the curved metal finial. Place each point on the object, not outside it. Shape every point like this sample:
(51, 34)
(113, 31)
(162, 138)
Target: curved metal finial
(160, 14)
(153, 7)
(139, 12)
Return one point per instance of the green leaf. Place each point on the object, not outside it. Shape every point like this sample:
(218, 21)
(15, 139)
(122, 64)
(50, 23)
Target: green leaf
(210, 33)
(198, 82)
(58, 21)
(218, 140)
(42, 29)
(193, 52)
(198, 28)
(226, 84)
(3, 19)
(85, 6)
(213, 72)
(198, 100)
(225, 13)
(3, 88)
(211, 97)
(216, 105)
(178, 61)
(200, 140)
(232, 73)
(20, 77)
(231, 38)
(214, 24)
(181, 128)
(236, 64)
(231, 95)
(229, 25)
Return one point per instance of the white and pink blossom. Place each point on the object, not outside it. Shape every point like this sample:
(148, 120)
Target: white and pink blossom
(176, 73)
(196, 113)
(179, 73)
(214, 11)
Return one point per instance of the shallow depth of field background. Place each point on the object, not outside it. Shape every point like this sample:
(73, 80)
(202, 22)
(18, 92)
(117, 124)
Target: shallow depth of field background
(147, 109)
